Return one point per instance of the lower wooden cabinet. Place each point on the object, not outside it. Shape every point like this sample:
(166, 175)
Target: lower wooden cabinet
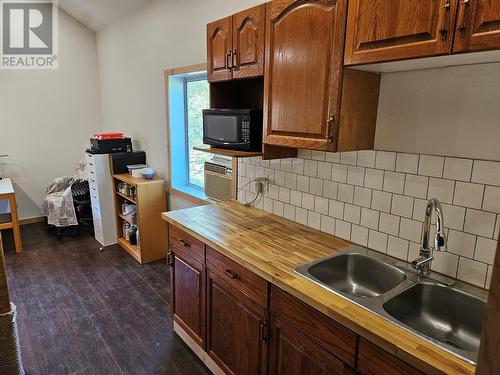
(188, 296)
(373, 360)
(291, 353)
(237, 329)
(242, 325)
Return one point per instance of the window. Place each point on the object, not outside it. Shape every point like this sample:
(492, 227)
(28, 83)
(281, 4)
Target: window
(197, 98)
(188, 95)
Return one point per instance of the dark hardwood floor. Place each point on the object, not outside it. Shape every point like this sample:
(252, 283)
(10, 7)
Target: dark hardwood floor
(82, 311)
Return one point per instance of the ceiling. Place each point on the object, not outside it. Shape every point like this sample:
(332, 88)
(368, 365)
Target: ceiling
(97, 14)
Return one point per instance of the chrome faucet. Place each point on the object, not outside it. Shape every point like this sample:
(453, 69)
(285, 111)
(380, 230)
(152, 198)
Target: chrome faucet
(423, 262)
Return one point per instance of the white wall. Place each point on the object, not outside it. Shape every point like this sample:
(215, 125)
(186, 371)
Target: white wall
(451, 111)
(47, 117)
(133, 53)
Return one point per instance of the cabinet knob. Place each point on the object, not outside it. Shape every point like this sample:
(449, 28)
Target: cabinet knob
(229, 60)
(185, 244)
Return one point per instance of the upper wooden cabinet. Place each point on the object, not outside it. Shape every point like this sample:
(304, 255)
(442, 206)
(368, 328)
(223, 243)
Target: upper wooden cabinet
(478, 26)
(302, 81)
(387, 30)
(235, 45)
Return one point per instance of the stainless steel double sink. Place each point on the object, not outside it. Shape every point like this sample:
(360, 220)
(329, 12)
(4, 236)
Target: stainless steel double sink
(441, 310)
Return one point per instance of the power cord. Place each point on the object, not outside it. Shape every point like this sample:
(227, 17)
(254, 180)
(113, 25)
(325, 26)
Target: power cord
(260, 188)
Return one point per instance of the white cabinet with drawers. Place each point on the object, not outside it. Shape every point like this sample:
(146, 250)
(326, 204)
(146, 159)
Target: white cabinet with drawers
(102, 198)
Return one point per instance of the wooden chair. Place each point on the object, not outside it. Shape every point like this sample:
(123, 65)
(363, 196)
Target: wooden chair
(10, 220)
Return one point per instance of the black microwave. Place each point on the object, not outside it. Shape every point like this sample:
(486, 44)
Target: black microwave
(236, 129)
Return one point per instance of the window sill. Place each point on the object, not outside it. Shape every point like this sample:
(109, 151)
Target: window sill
(189, 193)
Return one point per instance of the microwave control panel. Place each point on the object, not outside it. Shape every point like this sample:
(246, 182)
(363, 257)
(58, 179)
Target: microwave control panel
(245, 129)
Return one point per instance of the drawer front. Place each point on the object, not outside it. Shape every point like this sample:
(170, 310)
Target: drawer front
(239, 277)
(98, 230)
(319, 328)
(185, 244)
(373, 360)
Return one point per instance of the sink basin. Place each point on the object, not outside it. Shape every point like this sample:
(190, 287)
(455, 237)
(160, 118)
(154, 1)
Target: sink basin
(444, 314)
(354, 274)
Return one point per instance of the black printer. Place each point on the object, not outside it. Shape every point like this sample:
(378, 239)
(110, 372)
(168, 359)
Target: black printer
(109, 146)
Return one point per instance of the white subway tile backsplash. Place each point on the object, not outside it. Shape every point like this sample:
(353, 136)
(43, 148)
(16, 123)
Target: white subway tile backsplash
(455, 216)
(389, 223)
(468, 195)
(355, 175)
(314, 220)
(492, 199)
(345, 193)
(416, 186)
(461, 243)
(301, 215)
(441, 189)
(327, 224)
(445, 262)
(366, 158)
(402, 205)
(343, 229)
(324, 170)
(311, 168)
(486, 172)
(318, 155)
(278, 208)
(362, 196)
(349, 157)
(394, 182)
(377, 241)
(407, 163)
(374, 179)
(485, 250)
(480, 223)
(378, 199)
(359, 235)
(296, 198)
(410, 229)
(381, 201)
(307, 201)
(397, 247)
(369, 218)
(303, 183)
(472, 272)
(385, 160)
(330, 189)
(339, 172)
(352, 213)
(431, 166)
(333, 157)
(336, 209)
(321, 205)
(457, 169)
(316, 186)
(291, 180)
(298, 166)
(284, 194)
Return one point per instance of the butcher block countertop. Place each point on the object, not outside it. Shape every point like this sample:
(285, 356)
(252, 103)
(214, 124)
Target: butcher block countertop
(272, 247)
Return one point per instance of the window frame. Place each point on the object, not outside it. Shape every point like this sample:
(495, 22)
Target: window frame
(202, 76)
(186, 192)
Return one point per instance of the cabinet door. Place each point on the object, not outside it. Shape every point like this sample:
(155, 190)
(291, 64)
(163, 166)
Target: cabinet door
(372, 360)
(388, 30)
(219, 50)
(478, 26)
(304, 48)
(188, 297)
(248, 42)
(294, 354)
(237, 329)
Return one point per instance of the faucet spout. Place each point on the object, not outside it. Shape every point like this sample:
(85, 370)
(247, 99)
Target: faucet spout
(422, 264)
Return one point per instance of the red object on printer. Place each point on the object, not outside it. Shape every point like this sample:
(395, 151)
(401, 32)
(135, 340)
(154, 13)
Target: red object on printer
(108, 136)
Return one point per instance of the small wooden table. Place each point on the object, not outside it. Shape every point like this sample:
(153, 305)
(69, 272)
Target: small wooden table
(10, 220)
